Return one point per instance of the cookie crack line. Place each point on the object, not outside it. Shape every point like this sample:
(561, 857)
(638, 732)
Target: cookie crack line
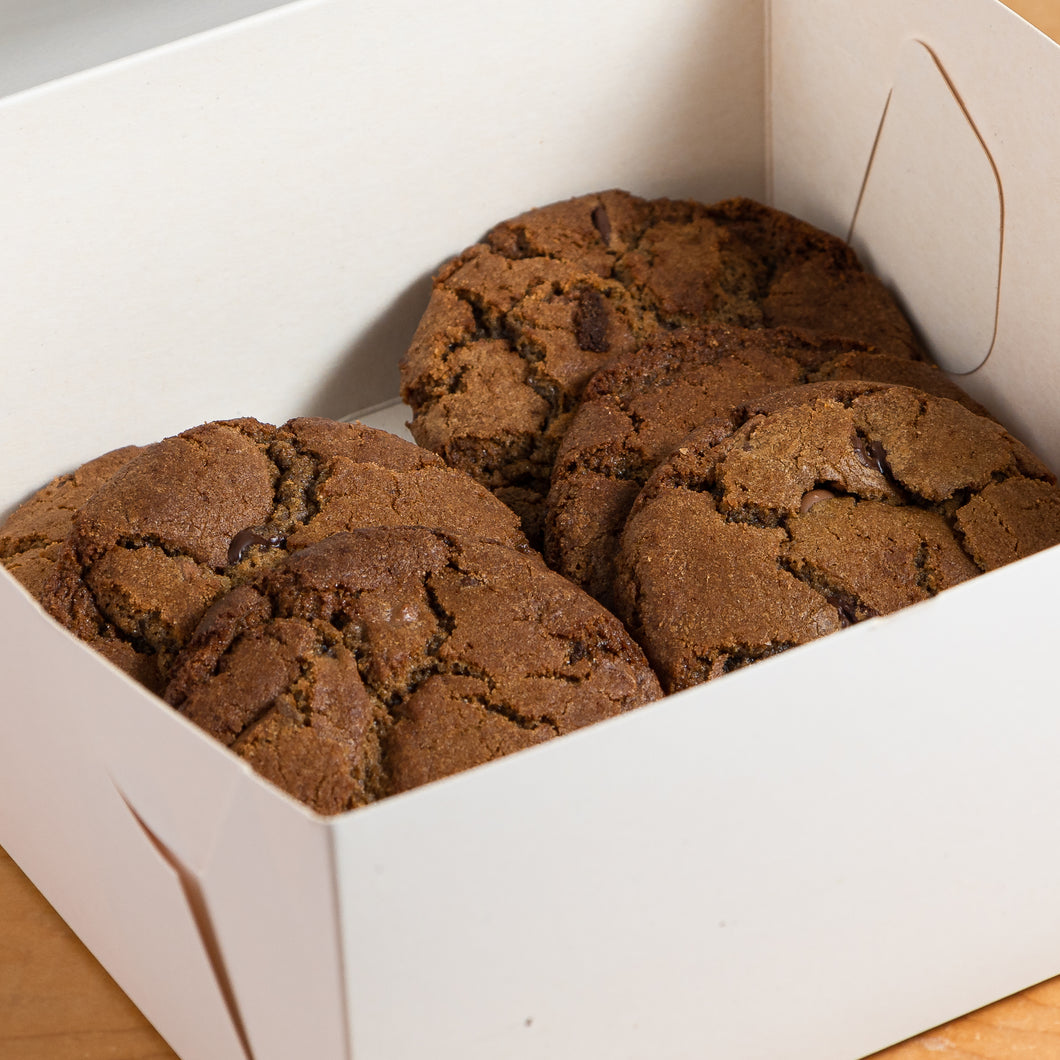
(300, 687)
(726, 659)
(299, 476)
(490, 700)
(923, 571)
(512, 714)
(517, 343)
(850, 607)
(135, 542)
(445, 619)
(24, 543)
(107, 628)
(949, 509)
(433, 664)
(485, 329)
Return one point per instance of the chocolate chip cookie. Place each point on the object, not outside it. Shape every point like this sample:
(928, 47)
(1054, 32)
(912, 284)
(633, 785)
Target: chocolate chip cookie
(518, 322)
(380, 659)
(830, 504)
(634, 412)
(193, 515)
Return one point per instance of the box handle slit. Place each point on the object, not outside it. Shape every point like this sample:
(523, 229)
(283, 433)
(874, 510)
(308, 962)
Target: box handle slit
(200, 914)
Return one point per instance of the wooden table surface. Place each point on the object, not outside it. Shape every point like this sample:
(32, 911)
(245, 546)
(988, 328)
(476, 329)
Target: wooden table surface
(57, 1003)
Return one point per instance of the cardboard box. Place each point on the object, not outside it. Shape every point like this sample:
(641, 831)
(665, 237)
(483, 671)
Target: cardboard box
(44, 39)
(812, 857)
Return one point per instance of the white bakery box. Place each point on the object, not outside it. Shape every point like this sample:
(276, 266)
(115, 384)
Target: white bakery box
(810, 858)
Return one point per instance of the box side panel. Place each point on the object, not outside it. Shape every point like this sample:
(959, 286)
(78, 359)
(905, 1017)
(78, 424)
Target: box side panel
(1004, 79)
(44, 39)
(244, 223)
(270, 890)
(841, 830)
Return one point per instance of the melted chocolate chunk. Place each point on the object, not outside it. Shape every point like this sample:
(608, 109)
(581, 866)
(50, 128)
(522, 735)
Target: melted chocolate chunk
(850, 609)
(871, 455)
(590, 321)
(602, 223)
(879, 454)
(812, 498)
(246, 539)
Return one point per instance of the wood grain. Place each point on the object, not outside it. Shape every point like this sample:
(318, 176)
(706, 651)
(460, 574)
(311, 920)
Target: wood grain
(1045, 14)
(57, 1003)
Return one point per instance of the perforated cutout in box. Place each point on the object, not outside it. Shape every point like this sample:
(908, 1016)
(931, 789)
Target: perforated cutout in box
(930, 218)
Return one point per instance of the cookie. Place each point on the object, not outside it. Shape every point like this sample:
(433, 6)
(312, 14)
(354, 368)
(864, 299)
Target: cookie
(193, 515)
(518, 323)
(384, 658)
(32, 535)
(832, 503)
(634, 412)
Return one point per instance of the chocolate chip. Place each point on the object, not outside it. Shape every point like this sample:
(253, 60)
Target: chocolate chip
(576, 651)
(602, 223)
(846, 605)
(812, 498)
(252, 535)
(871, 454)
(860, 451)
(590, 321)
(879, 454)
(850, 609)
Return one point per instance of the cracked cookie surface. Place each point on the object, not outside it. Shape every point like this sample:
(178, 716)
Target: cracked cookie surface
(517, 323)
(32, 536)
(831, 503)
(634, 412)
(193, 515)
(381, 659)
